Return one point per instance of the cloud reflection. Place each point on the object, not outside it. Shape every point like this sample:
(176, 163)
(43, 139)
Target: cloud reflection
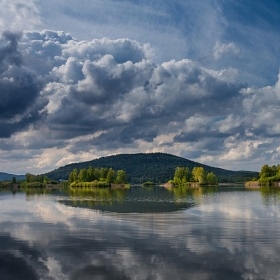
(213, 240)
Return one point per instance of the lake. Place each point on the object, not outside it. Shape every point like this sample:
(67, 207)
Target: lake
(141, 233)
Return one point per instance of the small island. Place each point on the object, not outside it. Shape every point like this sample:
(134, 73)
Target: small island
(149, 184)
(83, 178)
(183, 176)
(269, 176)
(97, 177)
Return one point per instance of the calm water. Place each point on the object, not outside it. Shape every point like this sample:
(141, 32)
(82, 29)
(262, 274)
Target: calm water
(141, 233)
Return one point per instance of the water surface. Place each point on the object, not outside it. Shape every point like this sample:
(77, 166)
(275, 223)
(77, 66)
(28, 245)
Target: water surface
(141, 233)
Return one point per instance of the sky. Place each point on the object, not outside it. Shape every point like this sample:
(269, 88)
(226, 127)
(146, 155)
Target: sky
(85, 79)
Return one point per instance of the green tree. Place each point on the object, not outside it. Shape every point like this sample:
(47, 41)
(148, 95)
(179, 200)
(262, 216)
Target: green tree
(212, 179)
(278, 170)
(96, 174)
(110, 176)
(39, 178)
(46, 179)
(83, 175)
(121, 177)
(180, 175)
(30, 178)
(188, 174)
(199, 175)
(266, 171)
(71, 178)
(75, 174)
(103, 173)
(90, 174)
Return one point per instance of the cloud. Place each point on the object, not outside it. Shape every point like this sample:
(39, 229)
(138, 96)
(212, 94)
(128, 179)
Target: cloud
(138, 100)
(18, 15)
(9, 52)
(20, 103)
(176, 29)
(93, 98)
(222, 49)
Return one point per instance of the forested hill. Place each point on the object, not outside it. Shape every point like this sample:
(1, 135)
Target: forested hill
(156, 167)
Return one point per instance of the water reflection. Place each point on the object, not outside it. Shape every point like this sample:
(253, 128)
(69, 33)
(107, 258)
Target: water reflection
(135, 200)
(270, 196)
(229, 234)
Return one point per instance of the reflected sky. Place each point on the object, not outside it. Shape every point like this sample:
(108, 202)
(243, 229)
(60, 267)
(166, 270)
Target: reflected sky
(225, 234)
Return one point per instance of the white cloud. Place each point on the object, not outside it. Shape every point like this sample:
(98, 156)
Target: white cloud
(222, 49)
(54, 268)
(241, 150)
(19, 15)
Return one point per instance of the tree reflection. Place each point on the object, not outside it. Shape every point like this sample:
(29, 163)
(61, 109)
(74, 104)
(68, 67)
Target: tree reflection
(196, 194)
(270, 196)
(137, 199)
(94, 197)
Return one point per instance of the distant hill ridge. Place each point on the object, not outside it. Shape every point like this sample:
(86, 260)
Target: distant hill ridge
(156, 167)
(8, 177)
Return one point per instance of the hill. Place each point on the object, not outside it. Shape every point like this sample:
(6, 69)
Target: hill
(8, 177)
(155, 167)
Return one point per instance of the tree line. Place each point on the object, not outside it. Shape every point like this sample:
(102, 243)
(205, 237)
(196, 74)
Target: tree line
(36, 181)
(184, 175)
(106, 175)
(30, 178)
(269, 174)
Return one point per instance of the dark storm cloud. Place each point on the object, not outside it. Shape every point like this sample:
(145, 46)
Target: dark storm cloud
(120, 136)
(196, 136)
(18, 92)
(19, 89)
(9, 52)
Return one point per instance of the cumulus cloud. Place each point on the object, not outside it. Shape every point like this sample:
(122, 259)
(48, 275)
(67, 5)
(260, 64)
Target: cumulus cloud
(92, 98)
(24, 15)
(20, 103)
(222, 49)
